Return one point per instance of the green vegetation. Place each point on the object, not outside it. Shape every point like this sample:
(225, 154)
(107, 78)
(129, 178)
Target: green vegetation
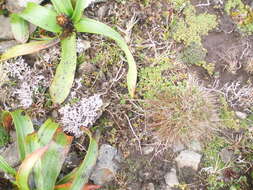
(241, 14)
(64, 21)
(4, 137)
(42, 154)
(190, 27)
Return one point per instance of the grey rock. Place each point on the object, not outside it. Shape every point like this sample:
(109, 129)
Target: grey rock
(195, 146)
(10, 154)
(4, 45)
(171, 178)
(149, 186)
(54, 114)
(226, 155)
(103, 11)
(188, 158)
(5, 34)
(178, 146)
(241, 115)
(15, 6)
(147, 150)
(107, 165)
(86, 68)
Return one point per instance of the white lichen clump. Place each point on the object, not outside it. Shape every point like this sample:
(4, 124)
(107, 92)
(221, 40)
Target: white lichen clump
(83, 113)
(27, 79)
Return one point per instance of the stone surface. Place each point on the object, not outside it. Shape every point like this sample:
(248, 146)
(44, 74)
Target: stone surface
(86, 68)
(149, 186)
(4, 45)
(10, 154)
(171, 178)
(5, 34)
(226, 155)
(188, 158)
(15, 6)
(195, 146)
(177, 147)
(107, 165)
(102, 11)
(241, 115)
(147, 150)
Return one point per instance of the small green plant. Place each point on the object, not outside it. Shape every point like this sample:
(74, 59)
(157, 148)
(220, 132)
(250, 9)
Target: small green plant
(4, 137)
(42, 154)
(189, 28)
(241, 14)
(65, 20)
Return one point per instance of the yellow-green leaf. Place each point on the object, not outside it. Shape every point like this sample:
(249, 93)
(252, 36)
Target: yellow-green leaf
(28, 48)
(41, 16)
(19, 28)
(65, 72)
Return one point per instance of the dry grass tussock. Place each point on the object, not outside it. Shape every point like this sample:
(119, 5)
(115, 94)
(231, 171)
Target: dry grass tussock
(182, 114)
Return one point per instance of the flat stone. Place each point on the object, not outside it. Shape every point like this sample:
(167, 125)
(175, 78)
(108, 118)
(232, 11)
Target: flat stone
(4, 45)
(195, 146)
(241, 115)
(178, 146)
(171, 178)
(10, 154)
(147, 150)
(5, 34)
(149, 186)
(16, 6)
(107, 165)
(188, 158)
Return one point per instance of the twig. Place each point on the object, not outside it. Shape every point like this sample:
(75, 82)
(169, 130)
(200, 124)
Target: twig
(131, 127)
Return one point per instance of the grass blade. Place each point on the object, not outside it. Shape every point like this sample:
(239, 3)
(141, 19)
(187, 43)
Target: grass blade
(19, 28)
(6, 168)
(63, 6)
(23, 126)
(46, 131)
(65, 71)
(28, 48)
(26, 168)
(41, 16)
(84, 171)
(95, 27)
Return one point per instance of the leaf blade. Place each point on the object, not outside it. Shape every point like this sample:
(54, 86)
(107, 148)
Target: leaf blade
(95, 27)
(65, 71)
(84, 170)
(23, 126)
(26, 168)
(19, 28)
(63, 6)
(41, 16)
(79, 8)
(28, 48)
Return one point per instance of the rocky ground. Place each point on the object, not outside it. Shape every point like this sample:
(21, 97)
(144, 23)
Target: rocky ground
(190, 123)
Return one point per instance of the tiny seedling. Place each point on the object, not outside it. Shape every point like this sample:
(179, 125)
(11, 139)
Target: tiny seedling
(64, 19)
(42, 154)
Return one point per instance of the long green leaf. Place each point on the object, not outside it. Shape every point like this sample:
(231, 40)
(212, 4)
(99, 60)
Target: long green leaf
(23, 126)
(46, 131)
(65, 71)
(95, 27)
(79, 8)
(5, 167)
(28, 48)
(19, 28)
(53, 159)
(63, 6)
(26, 168)
(84, 171)
(41, 16)
(32, 144)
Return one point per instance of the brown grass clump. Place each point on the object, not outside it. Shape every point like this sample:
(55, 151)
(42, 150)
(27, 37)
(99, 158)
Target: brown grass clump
(182, 113)
(249, 66)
